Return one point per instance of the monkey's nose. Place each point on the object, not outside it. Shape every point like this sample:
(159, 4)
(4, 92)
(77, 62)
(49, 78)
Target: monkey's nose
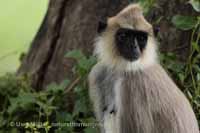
(134, 46)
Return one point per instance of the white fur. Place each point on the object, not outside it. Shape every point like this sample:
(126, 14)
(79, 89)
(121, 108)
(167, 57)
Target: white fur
(117, 89)
(111, 121)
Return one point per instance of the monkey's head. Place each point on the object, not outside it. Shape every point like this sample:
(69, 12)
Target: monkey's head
(126, 41)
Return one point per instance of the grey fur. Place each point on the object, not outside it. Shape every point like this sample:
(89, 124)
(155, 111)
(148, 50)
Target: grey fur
(102, 81)
(153, 104)
(105, 84)
(150, 101)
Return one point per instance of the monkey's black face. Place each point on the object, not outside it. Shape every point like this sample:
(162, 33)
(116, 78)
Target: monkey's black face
(130, 43)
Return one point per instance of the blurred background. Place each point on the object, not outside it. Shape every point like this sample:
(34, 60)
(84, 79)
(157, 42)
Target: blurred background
(19, 22)
(46, 54)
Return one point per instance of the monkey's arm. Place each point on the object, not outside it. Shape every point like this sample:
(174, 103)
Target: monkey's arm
(102, 83)
(94, 91)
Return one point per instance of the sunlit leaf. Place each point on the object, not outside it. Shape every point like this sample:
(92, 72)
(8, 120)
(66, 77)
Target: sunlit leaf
(189, 95)
(198, 76)
(195, 4)
(181, 77)
(196, 46)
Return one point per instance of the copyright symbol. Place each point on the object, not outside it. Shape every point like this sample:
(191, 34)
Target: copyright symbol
(12, 124)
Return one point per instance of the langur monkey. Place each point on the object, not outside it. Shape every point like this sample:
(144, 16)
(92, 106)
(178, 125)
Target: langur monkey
(129, 89)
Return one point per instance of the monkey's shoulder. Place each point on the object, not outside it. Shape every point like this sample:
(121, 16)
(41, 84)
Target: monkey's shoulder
(101, 74)
(153, 80)
(153, 75)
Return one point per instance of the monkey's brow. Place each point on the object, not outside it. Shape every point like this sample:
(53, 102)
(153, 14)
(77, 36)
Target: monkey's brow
(143, 32)
(140, 32)
(136, 31)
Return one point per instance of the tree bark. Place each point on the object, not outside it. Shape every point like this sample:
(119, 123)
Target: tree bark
(72, 24)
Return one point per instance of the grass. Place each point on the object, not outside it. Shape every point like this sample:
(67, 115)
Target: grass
(19, 22)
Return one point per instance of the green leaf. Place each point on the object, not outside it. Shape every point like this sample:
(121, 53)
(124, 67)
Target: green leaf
(181, 77)
(196, 68)
(65, 83)
(184, 22)
(189, 94)
(54, 88)
(63, 117)
(198, 76)
(196, 46)
(13, 107)
(195, 4)
(23, 100)
(76, 54)
(26, 98)
(90, 130)
(86, 64)
(80, 107)
(48, 109)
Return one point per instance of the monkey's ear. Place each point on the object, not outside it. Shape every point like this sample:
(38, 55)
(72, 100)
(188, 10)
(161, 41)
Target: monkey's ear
(156, 31)
(102, 26)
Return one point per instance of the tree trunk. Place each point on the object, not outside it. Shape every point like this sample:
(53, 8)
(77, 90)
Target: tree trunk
(72, 24)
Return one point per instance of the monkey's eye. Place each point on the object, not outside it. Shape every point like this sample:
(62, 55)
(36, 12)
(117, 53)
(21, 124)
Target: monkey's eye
(121, 36)
(141, 38)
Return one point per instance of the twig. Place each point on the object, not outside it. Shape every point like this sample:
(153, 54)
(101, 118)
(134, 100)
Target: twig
(72, 85)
